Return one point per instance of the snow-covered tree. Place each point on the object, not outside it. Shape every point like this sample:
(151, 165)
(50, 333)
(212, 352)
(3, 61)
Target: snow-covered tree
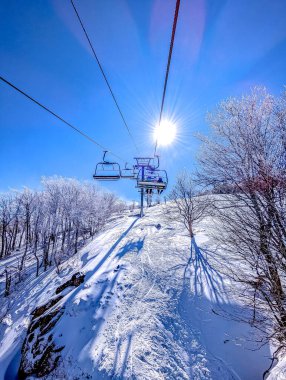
(186, 205)
(52, 224)
(247, 153)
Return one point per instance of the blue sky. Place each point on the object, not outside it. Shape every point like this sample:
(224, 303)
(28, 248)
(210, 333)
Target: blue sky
(222, 49)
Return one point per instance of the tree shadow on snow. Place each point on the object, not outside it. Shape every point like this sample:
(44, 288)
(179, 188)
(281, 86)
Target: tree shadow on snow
(86, 257)
(204, 305)
(122, 353)
(89, 274)
(111, 250)
(91, 314)
(131, 246)
(204, 276)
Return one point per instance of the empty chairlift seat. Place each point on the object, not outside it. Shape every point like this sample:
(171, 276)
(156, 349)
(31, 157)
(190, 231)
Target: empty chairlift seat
(128, 173)
(107, 171)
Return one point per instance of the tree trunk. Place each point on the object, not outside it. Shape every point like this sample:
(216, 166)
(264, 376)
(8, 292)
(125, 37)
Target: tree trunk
(76, 241)
(3, 240)
(36, 256)
(21, 238)
(7, 283)
(190, 228)
(46, 253)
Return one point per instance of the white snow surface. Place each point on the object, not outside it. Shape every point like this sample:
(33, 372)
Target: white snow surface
(279, 371)
(144, 311)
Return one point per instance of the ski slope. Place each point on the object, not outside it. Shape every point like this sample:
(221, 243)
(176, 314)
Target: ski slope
(145, 310)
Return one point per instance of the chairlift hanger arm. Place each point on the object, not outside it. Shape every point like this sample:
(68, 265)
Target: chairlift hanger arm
(158, 161)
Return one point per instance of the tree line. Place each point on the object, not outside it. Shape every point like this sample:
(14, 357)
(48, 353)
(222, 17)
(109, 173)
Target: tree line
(50, 225)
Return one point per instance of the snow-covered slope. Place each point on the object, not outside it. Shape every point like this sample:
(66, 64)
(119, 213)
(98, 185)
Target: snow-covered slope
(144, 311)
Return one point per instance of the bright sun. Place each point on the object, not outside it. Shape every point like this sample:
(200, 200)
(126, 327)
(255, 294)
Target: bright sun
(165, 133)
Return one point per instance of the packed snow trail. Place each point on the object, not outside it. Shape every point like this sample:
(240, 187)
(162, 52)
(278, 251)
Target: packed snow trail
(146, 309)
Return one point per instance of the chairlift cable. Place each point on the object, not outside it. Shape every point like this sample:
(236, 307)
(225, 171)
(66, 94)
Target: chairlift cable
(104, 75)
(168, 64)
(59, 117)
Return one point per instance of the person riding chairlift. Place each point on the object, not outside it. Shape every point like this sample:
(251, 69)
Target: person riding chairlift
(160, 180)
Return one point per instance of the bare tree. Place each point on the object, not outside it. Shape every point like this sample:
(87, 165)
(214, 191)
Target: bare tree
(28, 206)
(247, 156)
(186, 205)
(46, 227)
(6, 218)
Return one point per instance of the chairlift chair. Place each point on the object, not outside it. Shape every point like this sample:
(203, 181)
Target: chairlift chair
(128, 173)
(153, 179)
(107, 171)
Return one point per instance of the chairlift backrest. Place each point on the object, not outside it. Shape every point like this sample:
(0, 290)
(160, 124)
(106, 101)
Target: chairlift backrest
(107, 171)
(128, 173)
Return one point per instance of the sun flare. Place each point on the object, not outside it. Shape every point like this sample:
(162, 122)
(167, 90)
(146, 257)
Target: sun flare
(165, 133)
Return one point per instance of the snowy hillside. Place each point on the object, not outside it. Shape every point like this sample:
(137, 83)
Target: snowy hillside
(144, 311)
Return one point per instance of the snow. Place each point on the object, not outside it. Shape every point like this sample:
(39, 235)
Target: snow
(279, 371)
(146, 310)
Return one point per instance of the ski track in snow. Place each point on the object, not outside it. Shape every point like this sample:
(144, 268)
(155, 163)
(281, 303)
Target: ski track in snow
(144, 311)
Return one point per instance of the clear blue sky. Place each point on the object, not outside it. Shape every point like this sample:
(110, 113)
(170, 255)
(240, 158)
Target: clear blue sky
(222, 48)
